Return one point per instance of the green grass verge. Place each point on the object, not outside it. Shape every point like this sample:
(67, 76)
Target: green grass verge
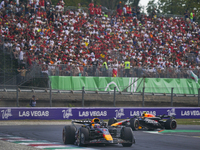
(188, 121)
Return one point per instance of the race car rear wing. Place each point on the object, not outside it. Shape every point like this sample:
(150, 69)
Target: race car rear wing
(81, 121)
(165, 116)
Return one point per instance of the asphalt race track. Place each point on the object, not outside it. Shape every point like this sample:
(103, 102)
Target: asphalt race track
(183, 138)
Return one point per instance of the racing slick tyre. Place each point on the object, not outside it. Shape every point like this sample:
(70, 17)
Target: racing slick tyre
(127, 135)
(68, 134)
(134, 124)
(170, 124)
(83, 136)
(112, 121)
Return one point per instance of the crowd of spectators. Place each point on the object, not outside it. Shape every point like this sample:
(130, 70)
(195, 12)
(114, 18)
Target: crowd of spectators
(60, 40)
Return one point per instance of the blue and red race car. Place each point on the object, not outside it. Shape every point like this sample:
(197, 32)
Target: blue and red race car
(147, 121)
(85, 132)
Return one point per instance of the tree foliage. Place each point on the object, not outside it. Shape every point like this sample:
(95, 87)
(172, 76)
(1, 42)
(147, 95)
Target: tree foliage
(150, 6)
(178, 7)
(110, 4)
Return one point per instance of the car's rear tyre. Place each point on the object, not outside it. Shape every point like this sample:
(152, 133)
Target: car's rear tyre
(112, 121)
(127, 135)
(68, 134)
(83, 136)
(170, 124)
(134, 124)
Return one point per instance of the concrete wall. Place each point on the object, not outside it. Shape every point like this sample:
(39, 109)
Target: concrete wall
(8, 99)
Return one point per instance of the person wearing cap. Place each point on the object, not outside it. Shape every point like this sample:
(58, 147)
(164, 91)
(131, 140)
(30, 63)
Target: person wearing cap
(119, 9)
(33, 101)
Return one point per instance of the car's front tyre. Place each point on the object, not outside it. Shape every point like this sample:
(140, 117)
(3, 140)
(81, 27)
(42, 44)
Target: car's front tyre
(127, 135)
(83, 136)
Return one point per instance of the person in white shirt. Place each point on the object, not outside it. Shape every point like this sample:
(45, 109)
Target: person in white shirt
(21, 55)
(2, 5)
(115, 68)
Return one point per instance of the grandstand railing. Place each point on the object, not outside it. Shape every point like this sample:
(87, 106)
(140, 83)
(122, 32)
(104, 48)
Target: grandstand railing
(23, 92)
(169, 15)
(43, 71)
(90, 70)
(85, 9)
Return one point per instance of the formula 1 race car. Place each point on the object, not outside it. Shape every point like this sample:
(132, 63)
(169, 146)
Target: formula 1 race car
(147, 121)
(96, 131)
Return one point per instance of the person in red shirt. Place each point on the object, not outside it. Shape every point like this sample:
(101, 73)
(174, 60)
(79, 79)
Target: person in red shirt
(99, 10)
(119, 9)
(42, 4)
(91, 4)
(96, 10)
(91, 9)
(129, 10)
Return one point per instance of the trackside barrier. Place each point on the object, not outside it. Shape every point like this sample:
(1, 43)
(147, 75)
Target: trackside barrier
(68, 113)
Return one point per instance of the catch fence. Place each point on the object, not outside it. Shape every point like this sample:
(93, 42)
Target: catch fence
(19, 96)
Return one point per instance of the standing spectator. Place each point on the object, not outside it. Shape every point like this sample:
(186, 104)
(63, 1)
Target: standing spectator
(191, 16)
(154, 13)
(125, 10)
(133, 11)
(2, 5)
(91, 4)
(22, 73)
(119, 9)
(138, 11)
(194, 16)
(21, 56)
(104, 68)
(96, 10)
(127, 67)
(94, 65)
(129, 11)
(186, 14)
(99, 11)
(115, 68)
(91, 9)
(33, 101)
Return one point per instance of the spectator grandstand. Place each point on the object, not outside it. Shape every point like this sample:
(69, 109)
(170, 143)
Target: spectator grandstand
(78, 42)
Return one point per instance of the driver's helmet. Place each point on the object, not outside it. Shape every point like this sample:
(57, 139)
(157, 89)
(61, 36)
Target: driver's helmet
(144, 113)
(96, 125)
(95, 120)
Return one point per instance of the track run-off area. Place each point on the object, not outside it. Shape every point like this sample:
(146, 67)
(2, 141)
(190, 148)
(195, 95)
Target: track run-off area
(49, 136)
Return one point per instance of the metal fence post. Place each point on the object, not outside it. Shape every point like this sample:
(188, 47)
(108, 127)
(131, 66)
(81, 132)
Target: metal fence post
(114, 102)
(50, 93)
(198, 97)
(17, 96)
(143, 97)
(83, 96)
(172, 97)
